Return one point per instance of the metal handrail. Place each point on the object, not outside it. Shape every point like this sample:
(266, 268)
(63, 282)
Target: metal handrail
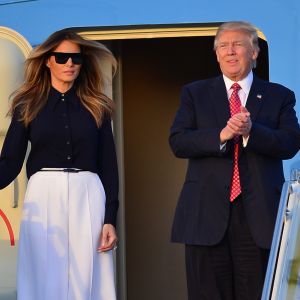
(276, 241)
(279, 247)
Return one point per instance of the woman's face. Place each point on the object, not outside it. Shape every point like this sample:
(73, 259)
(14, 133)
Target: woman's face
(64, 65)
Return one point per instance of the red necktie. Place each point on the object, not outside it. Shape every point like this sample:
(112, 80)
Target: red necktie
(235, 107)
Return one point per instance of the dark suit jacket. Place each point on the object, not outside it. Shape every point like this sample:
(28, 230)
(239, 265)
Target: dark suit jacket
(202, 211)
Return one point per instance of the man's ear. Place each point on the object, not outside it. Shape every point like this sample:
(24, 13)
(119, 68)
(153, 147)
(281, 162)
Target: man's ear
(254, 54)
(217, 56)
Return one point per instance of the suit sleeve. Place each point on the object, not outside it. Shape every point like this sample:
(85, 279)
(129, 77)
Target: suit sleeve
(108, 171)
(187, 139)
(13, 151)
(281, 141)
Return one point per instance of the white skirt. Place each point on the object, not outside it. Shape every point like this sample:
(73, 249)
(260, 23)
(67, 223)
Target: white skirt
(62, 219)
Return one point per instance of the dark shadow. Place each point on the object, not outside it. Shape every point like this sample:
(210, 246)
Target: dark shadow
(153, 73)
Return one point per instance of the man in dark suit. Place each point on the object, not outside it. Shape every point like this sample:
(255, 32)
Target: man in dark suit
(235, 130)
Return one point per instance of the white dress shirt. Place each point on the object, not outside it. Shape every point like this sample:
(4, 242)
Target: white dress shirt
(245, 85)
(243, 93)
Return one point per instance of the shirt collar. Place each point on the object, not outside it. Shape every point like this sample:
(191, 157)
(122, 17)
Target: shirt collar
(245, 83)
(56, 97)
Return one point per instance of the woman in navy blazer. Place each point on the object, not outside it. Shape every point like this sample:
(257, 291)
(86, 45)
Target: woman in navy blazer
(227, 243)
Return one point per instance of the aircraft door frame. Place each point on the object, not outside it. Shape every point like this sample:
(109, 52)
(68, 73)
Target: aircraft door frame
(14, 49)
(114, 89)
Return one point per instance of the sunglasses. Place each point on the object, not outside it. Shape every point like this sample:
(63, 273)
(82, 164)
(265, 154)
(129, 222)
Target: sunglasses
(63, 57)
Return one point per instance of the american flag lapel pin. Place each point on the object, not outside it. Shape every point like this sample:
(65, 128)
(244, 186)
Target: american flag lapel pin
(259, 96)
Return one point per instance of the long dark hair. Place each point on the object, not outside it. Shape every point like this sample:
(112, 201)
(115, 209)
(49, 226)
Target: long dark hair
(33, 93)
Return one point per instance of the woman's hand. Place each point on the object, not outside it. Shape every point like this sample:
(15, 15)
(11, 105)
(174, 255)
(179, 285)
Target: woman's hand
(108, 238)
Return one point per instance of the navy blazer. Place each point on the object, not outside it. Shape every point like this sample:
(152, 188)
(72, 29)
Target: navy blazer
(202, 212)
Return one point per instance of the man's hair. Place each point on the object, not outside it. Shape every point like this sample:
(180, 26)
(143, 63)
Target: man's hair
(238, 26)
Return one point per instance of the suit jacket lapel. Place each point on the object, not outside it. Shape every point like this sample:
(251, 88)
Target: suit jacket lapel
(256, 97)
(219, 99)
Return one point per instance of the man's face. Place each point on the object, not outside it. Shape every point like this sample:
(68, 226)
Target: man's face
(235, 54)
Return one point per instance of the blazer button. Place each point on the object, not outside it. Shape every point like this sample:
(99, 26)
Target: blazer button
(68, 157)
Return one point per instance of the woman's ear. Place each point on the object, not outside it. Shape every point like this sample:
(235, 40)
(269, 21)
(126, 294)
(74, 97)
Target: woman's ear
(47, 62)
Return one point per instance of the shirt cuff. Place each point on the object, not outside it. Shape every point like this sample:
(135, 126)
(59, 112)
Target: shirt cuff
(223, 147)
(245, 141)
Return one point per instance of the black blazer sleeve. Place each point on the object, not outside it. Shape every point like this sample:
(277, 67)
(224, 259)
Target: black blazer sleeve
(276, 135)
(13, 151)
(108, 171)
(194, 134)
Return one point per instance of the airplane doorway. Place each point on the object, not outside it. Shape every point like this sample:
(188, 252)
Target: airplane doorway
(155, 61)
(153, 72)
